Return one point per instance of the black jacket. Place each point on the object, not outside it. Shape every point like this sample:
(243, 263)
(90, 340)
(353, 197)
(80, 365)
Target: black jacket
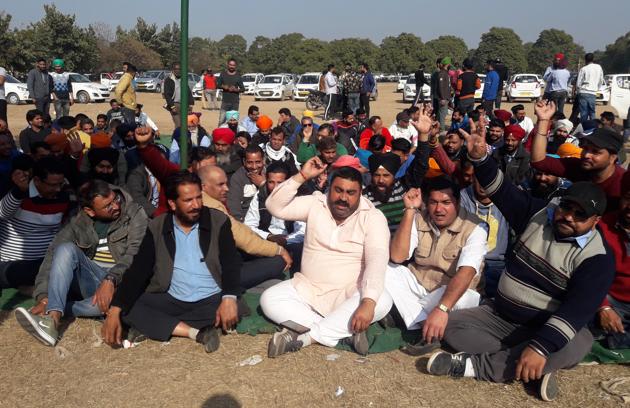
(152, 268)
(169, 92)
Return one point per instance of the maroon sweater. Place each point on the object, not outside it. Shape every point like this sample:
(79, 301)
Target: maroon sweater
(619, 242)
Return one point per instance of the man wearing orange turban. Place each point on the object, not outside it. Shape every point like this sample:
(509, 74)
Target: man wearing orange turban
(264, 124)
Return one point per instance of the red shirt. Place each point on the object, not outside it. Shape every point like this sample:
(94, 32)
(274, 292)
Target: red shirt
(618, 241)
(210, 82)
(570, 168)
(368, 133)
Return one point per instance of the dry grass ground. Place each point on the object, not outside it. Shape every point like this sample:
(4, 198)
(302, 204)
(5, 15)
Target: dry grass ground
(83, 372)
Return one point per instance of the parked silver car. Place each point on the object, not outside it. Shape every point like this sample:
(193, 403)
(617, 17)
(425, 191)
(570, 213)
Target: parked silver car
(151, 81)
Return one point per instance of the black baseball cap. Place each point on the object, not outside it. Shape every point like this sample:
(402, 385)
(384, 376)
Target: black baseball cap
(604, 138)
(587, 195)
(402, 116)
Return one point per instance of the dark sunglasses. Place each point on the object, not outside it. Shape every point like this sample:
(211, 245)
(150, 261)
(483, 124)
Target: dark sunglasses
(578, 213)
(307, 124)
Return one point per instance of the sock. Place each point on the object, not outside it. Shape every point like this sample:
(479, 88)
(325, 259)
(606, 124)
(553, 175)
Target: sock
(469, 371)
(305, 339)
(192, 333)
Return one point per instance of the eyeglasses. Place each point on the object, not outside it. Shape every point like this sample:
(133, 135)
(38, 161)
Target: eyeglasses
(578, 213)
(114, 203)
(307, 124)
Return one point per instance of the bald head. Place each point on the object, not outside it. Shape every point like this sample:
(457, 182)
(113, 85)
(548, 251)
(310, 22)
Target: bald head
(214, 182)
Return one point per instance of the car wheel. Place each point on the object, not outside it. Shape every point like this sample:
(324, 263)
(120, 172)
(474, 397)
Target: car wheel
(158, 89)
(604, 103)
(13, 99)
(83, 97)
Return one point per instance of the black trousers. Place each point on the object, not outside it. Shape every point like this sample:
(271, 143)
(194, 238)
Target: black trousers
(364, 103)
(19, 273)
(157, 314)
(3, 110)
(43, 104)
(256, 270)
(489, 108)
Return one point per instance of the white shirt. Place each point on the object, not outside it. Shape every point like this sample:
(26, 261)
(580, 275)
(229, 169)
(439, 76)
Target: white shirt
(473, 252)
(590, 79)
(276, 227)
(331, 83)
(527, 125)
(410, 134)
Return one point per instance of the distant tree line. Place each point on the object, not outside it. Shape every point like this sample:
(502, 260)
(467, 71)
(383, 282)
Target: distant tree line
(98, 48)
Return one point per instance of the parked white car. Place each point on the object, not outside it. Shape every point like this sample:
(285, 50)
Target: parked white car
(620, 94)
(307, 82)
(278, 86)
(86, 91)
(523, 86)
(15, 91)
(250, 80)
(111, 80)
(603, 95)
(479, 92)
(401, 84)
(409, 91)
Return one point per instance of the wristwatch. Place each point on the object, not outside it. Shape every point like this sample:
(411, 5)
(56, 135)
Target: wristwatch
(111, 278)
(444, 308)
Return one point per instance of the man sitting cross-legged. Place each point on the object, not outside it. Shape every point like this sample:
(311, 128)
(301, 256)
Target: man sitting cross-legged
(555, 280)
(339, 291)
(185, 278)
(447, 246)
(86, 260)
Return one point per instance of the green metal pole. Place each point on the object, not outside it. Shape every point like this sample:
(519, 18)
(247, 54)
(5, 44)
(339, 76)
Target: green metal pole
(183, 86)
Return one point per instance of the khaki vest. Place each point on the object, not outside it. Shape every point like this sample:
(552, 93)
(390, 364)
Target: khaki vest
(435, 258)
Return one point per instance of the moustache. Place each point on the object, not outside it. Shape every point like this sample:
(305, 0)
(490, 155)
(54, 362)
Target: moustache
(341, 203)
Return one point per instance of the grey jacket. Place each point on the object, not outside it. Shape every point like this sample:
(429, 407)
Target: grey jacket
(39, 86)
(241, 192)
(139, 187)
(124, 237)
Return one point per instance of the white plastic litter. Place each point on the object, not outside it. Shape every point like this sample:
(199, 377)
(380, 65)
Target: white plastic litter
(339, 392)
(129, 344)
(332, 357)
(252, 361)
(62, 352)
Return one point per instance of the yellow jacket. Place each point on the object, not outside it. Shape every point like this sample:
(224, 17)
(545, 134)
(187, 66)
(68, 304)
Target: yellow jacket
(125, 94)
(246, 239)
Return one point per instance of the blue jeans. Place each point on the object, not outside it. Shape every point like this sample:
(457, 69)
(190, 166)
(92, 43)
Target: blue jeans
(620, 340)
(72, 270)
(587, 107)
(492, 271)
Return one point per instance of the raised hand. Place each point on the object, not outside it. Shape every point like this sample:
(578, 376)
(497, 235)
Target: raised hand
(423, 125)
(21, 179)
(312, 168)
(143, 136)
(75, 144)
(413, 198)
(545, 109)
(475, 143)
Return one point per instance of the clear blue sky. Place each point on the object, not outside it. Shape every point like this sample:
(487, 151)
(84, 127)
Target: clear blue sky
(592, 23)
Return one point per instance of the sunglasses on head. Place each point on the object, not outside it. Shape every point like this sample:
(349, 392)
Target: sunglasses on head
(578, 213)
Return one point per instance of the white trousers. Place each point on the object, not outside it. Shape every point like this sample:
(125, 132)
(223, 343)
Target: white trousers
(413, 301)
(281, 302)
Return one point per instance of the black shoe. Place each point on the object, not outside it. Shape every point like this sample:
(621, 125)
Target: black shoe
(443, 363)
(548, 388)
(387, 322)
(209, 337)
(421, 347)
(134, 336)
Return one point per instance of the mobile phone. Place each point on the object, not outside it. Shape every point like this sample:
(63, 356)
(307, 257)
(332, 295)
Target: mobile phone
(296, 327)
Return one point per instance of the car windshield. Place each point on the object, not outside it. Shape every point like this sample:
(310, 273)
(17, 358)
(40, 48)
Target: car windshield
(151, 74)
(526, 79)
(11, 80)
(272, 80)
(411, 79)
(308, 79)
(79, 78)
(249, 78)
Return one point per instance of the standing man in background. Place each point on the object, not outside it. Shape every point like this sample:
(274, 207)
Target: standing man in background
(502, 70)
(557, 79)
(62, 89)
(589, 80)
(210, 89)
(367, 88)
(490, 87)
(420, 82)
(126, 94)
(231, 83)
(332, 90)
(3, 99)
(40, 86)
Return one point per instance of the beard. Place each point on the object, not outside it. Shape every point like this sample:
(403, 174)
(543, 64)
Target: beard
(382, 196)
(107, 177)
(223, 159)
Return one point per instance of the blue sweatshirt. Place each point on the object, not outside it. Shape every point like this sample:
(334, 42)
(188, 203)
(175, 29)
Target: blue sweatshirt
(491, 86)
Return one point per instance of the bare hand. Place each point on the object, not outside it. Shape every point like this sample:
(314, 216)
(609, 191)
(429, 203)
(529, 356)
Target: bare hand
(413, 198)
(227, 314)
(111, 331)
(258, 179)
(530, 365)
(610, 321)
(278, 239)
(312, 168)
(21, 179)
(40, 308)
(476, 144)
(286, 256)
(545, 109)
(307, 132)
(423, 125)
(143, 136)
(103, 295)
(75, 144)
(363, 316)
(435, 325)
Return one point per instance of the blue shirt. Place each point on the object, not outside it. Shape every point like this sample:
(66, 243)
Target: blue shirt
(249, 125)
(491, 86)
(557, 79)
(582, 240)
(192, 280)
(368, 83)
